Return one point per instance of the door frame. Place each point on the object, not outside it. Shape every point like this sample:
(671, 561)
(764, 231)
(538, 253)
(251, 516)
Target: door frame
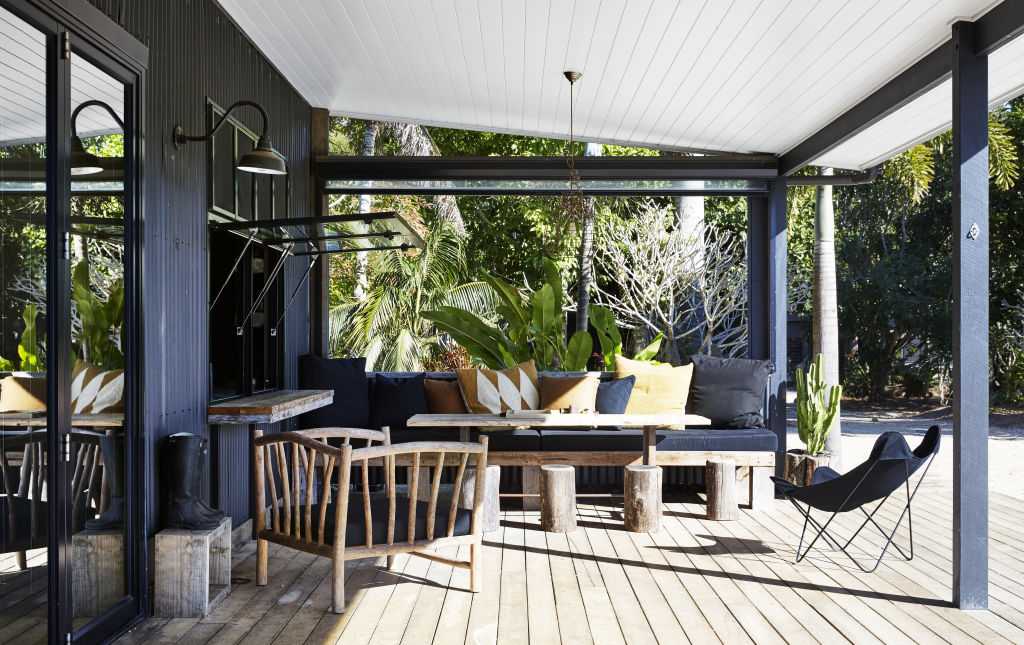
(87, 31)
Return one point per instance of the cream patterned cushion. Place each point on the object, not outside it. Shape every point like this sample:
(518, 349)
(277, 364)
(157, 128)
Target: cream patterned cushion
(493, 392)
(94, 391)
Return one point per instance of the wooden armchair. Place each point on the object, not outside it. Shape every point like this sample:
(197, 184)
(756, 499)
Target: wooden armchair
(299, 468)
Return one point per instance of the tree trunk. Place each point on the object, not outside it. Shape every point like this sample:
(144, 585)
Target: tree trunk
(585, 259)
(826, 311)
(365, 206)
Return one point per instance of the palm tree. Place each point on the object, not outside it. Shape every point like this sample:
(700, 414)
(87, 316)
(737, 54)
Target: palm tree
(387, 327)
(365, 206)
(825, 325)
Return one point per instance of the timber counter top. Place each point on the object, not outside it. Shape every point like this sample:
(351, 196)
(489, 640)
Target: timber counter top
(269, 407)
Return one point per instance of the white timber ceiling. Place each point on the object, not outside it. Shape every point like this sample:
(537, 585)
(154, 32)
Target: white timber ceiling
(23, 83)
(743, 76)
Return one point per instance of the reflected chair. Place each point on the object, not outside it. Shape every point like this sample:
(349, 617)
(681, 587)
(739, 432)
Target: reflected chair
(311, 508)
(888, 469)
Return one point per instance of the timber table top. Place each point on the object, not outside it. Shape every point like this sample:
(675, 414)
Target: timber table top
(38, 420)
(586, 420)
(269, 407)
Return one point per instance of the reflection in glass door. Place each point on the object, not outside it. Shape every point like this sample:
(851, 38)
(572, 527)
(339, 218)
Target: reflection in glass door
(95, 488)
(24, 360)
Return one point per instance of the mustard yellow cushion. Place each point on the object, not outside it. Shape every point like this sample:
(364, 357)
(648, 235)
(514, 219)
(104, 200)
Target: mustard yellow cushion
(557, 392)
(94, 391)
(493, 392)
(22, 393)
(659, 389)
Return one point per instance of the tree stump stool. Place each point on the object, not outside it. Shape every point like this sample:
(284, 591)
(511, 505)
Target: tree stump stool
(492, 507)
(558, 498)
(642, 489)
(720, 477)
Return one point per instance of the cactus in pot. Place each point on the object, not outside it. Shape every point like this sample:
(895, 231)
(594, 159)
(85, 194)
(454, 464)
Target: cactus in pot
(817, 406)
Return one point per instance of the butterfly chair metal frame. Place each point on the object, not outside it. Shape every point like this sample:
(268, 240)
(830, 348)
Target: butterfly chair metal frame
(869, 518)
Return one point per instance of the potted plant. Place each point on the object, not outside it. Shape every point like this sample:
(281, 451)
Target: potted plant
(817, 408)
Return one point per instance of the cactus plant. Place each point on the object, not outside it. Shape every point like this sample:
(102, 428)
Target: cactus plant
(817, 406)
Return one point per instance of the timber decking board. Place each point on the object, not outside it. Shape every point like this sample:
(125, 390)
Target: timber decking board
(695, 581)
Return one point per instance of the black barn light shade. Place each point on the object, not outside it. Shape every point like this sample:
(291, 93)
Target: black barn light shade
(82, 162)
(261, 159)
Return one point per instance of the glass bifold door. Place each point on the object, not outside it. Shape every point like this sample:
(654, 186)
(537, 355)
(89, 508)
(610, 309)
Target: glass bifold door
(70, 536)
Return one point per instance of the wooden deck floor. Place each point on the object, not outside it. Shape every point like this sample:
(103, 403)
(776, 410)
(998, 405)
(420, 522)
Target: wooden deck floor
(695, 581)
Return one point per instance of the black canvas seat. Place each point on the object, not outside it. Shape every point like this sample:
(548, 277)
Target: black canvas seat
(888, 469)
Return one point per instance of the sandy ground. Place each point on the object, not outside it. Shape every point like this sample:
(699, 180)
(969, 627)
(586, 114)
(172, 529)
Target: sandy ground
(862, 423)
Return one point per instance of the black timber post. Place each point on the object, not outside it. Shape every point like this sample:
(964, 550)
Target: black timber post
(970, 320)
(766, 271)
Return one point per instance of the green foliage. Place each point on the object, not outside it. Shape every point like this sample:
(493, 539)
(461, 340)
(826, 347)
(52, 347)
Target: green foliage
(102, 318)
(817, 406)
(390, 327)
(28, 349)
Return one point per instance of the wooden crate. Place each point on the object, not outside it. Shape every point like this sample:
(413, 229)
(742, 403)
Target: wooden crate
(97, 571)
(193, 571)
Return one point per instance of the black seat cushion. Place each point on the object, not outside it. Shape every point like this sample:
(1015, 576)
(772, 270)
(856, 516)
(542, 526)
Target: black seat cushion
(731, 439)
(729, 391)
(355, 528)
(397, 399)
(347, 377)
(497, 441)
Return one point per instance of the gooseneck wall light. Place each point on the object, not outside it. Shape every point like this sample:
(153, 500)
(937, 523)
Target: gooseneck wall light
(82, 162)
(262, 159)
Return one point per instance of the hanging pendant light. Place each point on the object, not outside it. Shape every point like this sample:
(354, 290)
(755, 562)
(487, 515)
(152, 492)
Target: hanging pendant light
(573, 205)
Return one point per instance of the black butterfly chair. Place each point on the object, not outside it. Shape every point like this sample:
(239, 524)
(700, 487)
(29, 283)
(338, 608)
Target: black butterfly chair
(889, 468)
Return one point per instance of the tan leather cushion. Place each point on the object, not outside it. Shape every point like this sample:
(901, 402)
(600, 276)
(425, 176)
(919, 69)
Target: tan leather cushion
(94, 391)
(557, 392)
(493, 392)
(444, 397)
(659, 389)
(22, 392)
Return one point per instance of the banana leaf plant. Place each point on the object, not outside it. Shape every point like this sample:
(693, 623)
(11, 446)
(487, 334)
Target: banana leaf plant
(28, 349)
(102, 319)
(531, 328)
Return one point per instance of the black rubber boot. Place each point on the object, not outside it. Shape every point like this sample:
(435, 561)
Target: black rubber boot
(204, 508)
(113, 462)
(182, 456)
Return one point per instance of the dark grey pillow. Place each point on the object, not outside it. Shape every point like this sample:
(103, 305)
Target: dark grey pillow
(397, 399)
(347, 377)
(729, 391)
(613, 396)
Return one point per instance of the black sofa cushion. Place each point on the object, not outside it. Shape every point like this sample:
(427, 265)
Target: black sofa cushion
(355, 528)
(497, 441)
(729, 391)
(613, 396)
(347, 377)
(631, 439)
(397, 399)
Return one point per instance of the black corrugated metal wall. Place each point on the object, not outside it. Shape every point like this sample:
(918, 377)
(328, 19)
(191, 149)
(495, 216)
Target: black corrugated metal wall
(195, 53)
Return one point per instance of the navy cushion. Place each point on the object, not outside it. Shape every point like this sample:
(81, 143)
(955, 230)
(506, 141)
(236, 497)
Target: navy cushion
(397, 399)
(355, 527)
(630, 439)
(347, 377)
(497, 441)
(613, 396)
(729, 391)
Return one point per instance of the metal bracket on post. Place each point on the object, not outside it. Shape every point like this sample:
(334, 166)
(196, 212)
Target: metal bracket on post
(266, 288)
(309, 269)
(238, 261)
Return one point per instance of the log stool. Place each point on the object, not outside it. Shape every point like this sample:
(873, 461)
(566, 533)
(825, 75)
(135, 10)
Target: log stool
(642, 490)
(558, 498)
(492, 507)
(720, 477)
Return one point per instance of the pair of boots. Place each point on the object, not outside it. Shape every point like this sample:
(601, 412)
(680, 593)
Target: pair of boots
(183, 456)
(112, 448)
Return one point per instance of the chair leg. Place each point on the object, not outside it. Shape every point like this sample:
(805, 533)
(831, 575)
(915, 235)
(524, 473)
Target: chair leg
(475, 553)
(21, 560)
(338, 586)
(261, 562)
(391, 561)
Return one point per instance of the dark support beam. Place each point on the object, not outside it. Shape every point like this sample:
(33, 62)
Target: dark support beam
(1000, 25)
(970, 320)
(319, 278)
(766, 267)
